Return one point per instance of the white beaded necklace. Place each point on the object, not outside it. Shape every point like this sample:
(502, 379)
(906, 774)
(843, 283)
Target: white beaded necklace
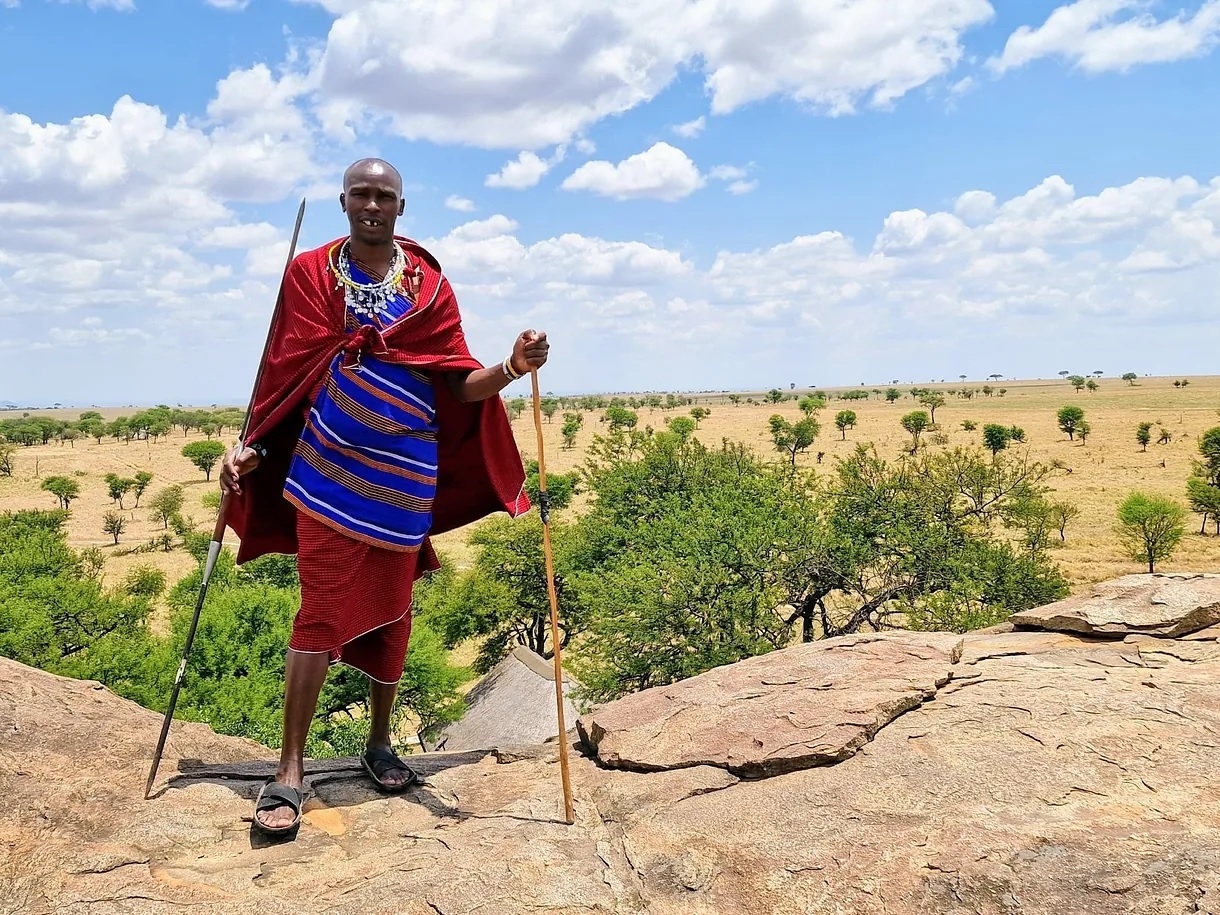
(369, 299)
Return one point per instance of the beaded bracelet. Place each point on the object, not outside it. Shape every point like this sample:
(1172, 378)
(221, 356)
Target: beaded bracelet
(511, 372)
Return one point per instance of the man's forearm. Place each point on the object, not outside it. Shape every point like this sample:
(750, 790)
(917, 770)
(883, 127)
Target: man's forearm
(480, 384)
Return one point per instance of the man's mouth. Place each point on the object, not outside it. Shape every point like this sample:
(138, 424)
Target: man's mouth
(370, 222)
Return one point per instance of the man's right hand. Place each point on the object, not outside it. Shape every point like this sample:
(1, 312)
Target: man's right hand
(237, 463)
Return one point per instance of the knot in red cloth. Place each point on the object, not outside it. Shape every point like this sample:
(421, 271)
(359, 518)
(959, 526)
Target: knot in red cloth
(367, 339)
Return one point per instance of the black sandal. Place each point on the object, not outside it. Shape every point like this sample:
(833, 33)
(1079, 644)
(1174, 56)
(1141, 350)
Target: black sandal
(377, 761)
(273, 796)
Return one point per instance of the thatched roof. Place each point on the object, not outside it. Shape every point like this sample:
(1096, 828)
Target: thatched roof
(513, 704)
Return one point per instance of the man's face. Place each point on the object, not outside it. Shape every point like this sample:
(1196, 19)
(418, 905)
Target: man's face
(372, 200)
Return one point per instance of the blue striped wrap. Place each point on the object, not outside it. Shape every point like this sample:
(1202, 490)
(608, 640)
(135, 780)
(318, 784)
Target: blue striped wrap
(365, 464)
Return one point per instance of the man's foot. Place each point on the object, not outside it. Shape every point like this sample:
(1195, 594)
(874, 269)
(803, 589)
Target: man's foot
(387, 770)
(278, 808)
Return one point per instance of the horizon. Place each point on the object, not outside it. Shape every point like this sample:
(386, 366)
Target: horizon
(8, 406)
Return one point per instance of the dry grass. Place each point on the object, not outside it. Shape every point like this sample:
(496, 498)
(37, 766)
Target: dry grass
(1103, 471)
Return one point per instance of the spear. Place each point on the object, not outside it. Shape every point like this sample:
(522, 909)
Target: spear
(544, 510)
(219, 532)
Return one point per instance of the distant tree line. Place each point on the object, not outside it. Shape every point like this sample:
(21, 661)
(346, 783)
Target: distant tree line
(153, 423)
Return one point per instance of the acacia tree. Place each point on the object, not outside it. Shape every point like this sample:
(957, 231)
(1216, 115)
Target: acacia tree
(996, 437)
(932, 400)
(166, 504)
(1203, 486)
(844, 420)
(810, 404)
(503, 599)
(1061, 513)
(1150, 527)
(65, 489)
(572, 423)
(140, 484)
(699, 414)
(118, 487)
(549, 406)
(682, 426)
(791, 438)
(1143, 435)
(204, 455)
(1092, 385)
(6, 459)
(1077, 382)
(916, 422)
(620, 418)
(114, 523)
(1130, 378)
(1070, 419)
(892, 394)
(1205, 500)
(688, 544)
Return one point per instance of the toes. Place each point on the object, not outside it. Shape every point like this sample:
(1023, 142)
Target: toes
(276, 817)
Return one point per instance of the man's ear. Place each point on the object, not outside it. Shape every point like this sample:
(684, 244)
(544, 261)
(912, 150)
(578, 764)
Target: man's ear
(343, 202)
(402, 206)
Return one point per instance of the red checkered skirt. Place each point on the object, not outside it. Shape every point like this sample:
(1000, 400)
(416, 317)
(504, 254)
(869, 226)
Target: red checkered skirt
(355, 601)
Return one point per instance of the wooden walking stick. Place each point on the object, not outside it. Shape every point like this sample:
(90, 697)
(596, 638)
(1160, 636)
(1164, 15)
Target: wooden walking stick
(544, 510)
(218, 533)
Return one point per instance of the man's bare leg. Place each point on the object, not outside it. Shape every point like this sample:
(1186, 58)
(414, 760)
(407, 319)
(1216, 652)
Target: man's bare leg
(304, 674)
(381, 704)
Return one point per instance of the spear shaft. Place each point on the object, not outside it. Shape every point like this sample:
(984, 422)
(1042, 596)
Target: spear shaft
(219, 532)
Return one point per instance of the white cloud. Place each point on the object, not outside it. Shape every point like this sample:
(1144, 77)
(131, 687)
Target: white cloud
(233, 5)
(975, 206)
(524, 171)
(460, 204)
(736, 176)
(1106, 35)
(242, 235)
(662, 172)
(92, 335)
(507, 73)
(152, 234)
(691, 129)
(123, 6)
(1045, 264)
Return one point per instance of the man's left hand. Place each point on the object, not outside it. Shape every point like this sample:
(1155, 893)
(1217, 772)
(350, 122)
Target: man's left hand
(530, 351)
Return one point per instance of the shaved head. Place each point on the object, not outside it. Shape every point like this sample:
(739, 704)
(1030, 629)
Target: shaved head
(363, 169)
(372, 200)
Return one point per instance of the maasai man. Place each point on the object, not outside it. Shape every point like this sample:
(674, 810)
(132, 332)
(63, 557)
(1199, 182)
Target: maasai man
(371, 428)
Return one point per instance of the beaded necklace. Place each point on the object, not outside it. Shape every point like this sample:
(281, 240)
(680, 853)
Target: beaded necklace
(367, 299)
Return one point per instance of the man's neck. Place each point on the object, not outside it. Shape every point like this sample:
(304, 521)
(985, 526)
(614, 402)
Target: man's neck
(375, 257)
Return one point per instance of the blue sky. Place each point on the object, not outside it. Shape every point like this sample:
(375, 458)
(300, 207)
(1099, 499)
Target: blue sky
(686, 194)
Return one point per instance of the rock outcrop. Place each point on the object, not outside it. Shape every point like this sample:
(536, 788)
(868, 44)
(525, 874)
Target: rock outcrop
(1165, 605)
(1015, 771)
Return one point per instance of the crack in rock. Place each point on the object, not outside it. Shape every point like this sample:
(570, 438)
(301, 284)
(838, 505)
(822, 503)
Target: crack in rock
(812, 705)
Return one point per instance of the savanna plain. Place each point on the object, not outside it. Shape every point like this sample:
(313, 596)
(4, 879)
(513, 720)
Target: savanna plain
(1094, 475)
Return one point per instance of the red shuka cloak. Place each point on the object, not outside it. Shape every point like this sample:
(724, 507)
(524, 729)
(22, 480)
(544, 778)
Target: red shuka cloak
(479, 467)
